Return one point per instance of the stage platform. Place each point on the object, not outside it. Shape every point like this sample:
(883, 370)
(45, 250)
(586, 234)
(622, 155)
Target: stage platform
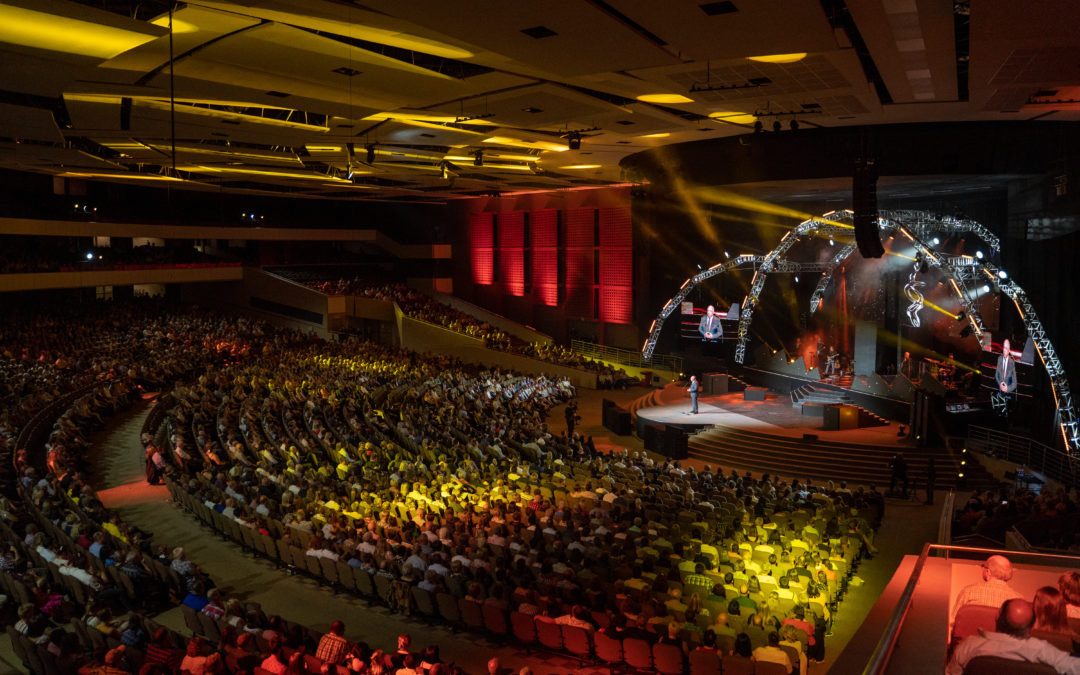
(775, 416)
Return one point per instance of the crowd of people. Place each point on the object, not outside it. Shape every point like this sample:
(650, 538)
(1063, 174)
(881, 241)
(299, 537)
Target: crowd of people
(20, 254)
(426, 471)
(1046, 518)
(418, 305)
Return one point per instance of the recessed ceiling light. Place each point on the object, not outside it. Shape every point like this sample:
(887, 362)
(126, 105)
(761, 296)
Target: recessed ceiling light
(539, 32)
(532, 110)
(664, 98)
(624, 123)
(780, 58)
(715, 8)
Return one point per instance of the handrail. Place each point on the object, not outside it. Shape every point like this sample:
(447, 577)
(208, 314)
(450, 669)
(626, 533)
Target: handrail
(1023, 450)
(879, 660)
(945, 521)
(627, 357)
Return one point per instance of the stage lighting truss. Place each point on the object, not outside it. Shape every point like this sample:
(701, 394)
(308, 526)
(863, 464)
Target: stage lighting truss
(965, 273)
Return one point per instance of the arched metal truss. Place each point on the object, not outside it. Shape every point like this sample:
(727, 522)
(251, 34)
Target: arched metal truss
(966, 275)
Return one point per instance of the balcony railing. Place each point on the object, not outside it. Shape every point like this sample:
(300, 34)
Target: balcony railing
(1022, 450)
(627, 357)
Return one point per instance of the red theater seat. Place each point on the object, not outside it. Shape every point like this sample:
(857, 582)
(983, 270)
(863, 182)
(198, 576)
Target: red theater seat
(971, 618)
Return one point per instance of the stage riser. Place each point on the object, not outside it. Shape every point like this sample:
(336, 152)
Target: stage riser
(820, 451)
(890, 409)
(744, 435)
(788, 467)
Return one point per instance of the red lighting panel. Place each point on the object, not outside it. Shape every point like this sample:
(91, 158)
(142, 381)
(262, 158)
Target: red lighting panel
(482, 245)
(579, 228)
(615, 229)
(545, 228)
(616, 304)
(511, 252)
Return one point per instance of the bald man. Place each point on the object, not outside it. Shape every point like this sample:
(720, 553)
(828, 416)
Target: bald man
(1012, 641)
(994, 588)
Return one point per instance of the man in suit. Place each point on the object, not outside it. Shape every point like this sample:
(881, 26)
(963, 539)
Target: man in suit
(693, 389)
(710, 327)
(1005, 375)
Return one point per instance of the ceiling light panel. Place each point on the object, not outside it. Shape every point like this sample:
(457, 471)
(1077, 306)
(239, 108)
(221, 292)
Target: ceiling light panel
(588, 40)
(359, 24)
(194, 25)
(71, 29)
(26, 123)
(756, 28)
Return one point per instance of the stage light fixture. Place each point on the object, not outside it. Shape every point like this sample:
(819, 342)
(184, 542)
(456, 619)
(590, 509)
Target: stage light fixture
(966, 332)
(1002, 275)
(573, 140)
(961, 316)
(986, 288)
(794, 124)
(832, 243)
(936, 241)
(478, 158)
(979, 255)
(796, 278)
(370, 147)
(758, 127)
(89, 256)
(776, 126)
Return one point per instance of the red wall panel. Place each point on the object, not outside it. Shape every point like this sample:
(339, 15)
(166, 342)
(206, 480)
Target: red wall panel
(482, 244)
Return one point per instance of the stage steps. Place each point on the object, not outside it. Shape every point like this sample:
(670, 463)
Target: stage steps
(822, 460)
(811, 393)
(673, 392)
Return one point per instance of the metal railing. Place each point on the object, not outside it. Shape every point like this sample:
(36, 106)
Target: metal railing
(879, 660)
(627, 357)
(1024, 451)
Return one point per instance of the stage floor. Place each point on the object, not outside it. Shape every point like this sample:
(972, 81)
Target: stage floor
(775, 416)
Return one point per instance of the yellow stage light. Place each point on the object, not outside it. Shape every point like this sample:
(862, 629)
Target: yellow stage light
(664, 98)
(30, 28)
(660, 135)
(581, 166)
(779, 58)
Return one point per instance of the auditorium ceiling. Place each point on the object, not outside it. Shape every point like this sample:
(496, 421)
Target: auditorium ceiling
(424, 100)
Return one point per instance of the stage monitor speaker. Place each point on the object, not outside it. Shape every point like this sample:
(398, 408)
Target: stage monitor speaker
(715, 383)
(754, 394)
(864, 200)
(840, 417)
(622, 422)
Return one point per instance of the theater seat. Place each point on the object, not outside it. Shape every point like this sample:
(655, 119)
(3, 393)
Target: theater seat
(995, 665)
(971, 618)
